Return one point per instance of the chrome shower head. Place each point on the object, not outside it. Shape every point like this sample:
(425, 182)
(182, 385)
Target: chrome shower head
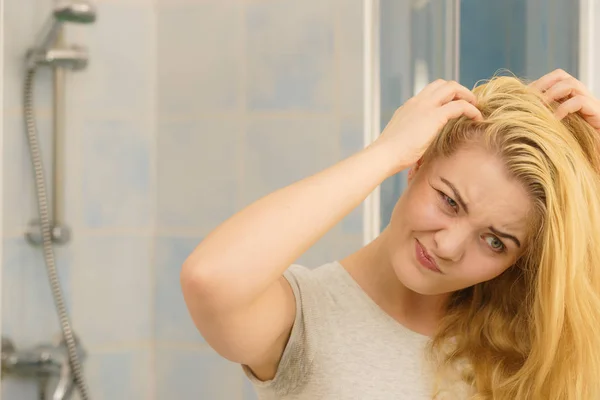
(81, 12)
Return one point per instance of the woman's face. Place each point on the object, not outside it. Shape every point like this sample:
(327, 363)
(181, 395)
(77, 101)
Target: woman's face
(461, 221)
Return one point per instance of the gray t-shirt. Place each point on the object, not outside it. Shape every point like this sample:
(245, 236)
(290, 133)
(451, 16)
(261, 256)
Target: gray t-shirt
(343, 346)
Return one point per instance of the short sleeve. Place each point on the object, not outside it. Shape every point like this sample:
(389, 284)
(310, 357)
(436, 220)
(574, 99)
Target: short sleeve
(295, 364)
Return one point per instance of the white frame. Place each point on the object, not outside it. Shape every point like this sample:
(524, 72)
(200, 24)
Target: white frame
(372, 93)
(452, 45)
(371, 109)
(589, 38)
(1, 152)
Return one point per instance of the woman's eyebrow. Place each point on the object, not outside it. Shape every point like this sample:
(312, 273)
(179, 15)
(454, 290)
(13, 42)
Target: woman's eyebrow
(463, 204)
(505, 235)
(459, 198)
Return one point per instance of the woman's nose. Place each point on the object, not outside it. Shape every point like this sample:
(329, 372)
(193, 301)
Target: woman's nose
(450, 244)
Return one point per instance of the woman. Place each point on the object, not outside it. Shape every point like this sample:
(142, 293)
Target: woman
(485, 284)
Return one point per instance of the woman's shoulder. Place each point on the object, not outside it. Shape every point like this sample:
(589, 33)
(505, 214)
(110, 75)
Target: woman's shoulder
(323, 271)
(328, 277)
(327, 289)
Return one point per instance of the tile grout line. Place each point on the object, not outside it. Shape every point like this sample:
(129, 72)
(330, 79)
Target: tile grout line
(153, 248)
(243, 98)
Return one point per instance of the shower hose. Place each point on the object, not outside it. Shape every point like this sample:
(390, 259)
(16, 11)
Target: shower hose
(46, 230)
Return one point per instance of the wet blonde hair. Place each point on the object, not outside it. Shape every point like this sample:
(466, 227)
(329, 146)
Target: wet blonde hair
(534, 331)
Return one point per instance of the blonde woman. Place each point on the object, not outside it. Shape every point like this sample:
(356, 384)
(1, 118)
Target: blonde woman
(485, 284)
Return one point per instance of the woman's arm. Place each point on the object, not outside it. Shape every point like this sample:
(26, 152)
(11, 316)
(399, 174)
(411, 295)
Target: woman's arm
(233, 283)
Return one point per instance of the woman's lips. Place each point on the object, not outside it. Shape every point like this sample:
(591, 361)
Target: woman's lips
(424, 258)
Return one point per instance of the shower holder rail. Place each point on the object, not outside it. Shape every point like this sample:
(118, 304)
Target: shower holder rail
(61, 234)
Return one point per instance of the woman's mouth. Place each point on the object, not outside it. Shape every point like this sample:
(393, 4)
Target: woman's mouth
(425, 259)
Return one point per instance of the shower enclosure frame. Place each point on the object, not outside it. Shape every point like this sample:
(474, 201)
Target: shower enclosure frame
(589, 61)
(372, 90)
(2, 25)
(371, 108)
(589, 40)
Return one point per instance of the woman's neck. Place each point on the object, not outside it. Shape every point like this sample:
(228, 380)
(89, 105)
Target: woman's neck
(372, 270)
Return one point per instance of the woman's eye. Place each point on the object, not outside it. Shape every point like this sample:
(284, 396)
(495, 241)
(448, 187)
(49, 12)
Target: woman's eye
(495, 243)
(449, 200)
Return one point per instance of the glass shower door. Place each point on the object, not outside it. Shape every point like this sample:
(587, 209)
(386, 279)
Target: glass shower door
(468, 40)
(419, 44)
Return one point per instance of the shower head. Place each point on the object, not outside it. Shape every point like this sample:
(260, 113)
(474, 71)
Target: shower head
(82, 12)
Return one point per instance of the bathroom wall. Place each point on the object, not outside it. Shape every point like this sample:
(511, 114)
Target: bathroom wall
(107, 269)
(188, 111)
(252, 96)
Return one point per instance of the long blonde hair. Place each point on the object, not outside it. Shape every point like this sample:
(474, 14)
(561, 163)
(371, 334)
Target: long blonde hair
(534, 331)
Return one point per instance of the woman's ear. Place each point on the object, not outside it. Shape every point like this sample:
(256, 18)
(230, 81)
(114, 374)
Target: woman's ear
(414, 169)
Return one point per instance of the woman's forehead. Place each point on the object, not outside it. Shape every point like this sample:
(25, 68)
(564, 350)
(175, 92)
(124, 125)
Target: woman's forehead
(483, 182)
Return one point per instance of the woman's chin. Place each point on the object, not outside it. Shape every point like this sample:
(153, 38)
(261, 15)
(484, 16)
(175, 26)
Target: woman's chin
(415, 279)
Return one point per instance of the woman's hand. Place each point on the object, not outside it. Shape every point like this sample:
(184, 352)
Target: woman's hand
(574, 97)
(416, 123)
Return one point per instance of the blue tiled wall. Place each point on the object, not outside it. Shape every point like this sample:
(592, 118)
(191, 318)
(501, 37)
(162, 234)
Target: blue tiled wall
(252, 97)
(290, 56)
(117, 191)
(189, 373)
(112, 287)
(200, 56)
(198, 172)
(107, 270)
(189, 110)
(172, 323)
